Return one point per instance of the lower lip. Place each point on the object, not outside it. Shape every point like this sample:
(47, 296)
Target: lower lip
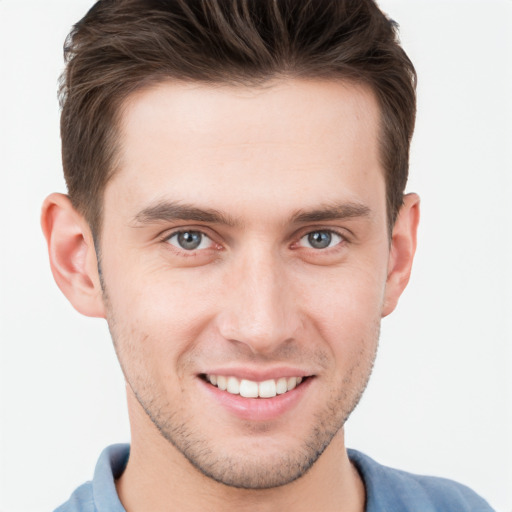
(258, 409)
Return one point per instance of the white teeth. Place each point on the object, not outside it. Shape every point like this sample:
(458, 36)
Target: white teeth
(267, 388)
(248, 388)
(222, 382)
(251, 389)
(281, 385)
(233, 386)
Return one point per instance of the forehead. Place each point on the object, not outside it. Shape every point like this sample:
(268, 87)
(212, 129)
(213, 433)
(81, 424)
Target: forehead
(286, 142)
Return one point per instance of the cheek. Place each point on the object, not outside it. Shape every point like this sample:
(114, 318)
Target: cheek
(353, 292)
(156, 316)
(346, 307)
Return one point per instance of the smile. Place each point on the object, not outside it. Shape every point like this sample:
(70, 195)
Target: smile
(251, 389)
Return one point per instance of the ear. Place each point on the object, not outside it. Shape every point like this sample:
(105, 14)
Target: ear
(72, 255)
(403, 247)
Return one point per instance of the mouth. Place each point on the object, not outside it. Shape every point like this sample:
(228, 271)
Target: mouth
(252, 389)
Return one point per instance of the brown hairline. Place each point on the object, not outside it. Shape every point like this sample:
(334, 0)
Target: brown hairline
(94, 89)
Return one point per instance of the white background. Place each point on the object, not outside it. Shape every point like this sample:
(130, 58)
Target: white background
(440, 399)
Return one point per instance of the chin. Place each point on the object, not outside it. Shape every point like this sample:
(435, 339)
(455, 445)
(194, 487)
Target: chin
(256, 471)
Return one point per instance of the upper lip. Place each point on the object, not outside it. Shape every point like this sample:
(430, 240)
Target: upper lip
(258, 375)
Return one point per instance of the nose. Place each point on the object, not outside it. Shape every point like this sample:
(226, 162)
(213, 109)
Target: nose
(260, 308)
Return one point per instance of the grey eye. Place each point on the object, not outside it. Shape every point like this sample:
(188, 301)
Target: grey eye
(190, 240)
(320, 239)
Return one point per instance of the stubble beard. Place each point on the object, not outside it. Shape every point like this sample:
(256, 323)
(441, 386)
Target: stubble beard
(248, 470)
(252, 470)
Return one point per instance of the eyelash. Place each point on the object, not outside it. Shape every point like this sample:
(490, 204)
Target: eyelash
(193, 252)
(329, 232)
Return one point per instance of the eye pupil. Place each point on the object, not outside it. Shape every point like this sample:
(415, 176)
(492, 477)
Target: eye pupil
(189, 240)
(320, 239)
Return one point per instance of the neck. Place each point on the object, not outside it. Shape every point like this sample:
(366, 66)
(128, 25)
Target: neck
(159, 478)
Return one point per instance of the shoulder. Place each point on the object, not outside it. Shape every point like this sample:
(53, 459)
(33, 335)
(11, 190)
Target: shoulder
(100, 494)
(392, 490)
(81, 500)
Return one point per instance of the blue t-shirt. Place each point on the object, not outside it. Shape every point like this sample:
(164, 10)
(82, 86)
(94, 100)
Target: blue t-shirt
(387, 490)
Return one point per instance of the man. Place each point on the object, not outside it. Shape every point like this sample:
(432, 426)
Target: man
(236, 211)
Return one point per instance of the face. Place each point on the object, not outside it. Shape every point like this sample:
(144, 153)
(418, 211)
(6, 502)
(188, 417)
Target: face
(244, 246)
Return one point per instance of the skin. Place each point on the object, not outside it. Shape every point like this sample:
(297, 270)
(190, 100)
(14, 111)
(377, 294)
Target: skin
(269, 166)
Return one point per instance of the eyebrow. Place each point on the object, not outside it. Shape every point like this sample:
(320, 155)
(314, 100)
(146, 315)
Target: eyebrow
(171, 211)
(340, 211)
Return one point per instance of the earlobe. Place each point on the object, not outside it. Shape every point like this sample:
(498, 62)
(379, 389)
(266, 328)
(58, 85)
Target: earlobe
(72, 255)
(403, 247)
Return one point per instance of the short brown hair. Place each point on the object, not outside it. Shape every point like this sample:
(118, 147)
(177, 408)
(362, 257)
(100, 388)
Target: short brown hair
(121, 46)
